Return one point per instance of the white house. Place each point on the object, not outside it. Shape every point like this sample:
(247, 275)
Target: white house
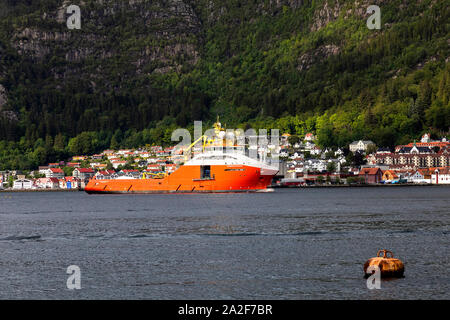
(54, 173)
(315, 165)
(47, 183)
(419, 177)
(70, 183)
(23, 184)
(360, 145)
(426, 138)
(83, 173)
(441, 176)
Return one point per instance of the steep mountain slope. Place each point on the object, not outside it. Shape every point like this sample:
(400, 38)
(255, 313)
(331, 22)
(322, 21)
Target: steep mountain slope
(298, 65)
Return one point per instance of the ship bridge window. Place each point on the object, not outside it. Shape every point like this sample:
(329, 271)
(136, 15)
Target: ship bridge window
(205, 172)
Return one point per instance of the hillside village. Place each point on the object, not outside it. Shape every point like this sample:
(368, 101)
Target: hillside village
(302, 163)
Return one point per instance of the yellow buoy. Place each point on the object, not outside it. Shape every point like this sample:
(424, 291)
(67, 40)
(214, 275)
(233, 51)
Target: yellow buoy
(389, 266)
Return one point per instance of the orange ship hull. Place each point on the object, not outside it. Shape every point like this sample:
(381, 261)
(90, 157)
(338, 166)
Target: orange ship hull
(187, 179)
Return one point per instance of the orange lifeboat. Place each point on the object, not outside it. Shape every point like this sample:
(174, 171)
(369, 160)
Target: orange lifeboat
(388, 265)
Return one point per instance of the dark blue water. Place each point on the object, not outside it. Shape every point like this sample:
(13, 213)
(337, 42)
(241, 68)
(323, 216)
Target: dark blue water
(289, 244)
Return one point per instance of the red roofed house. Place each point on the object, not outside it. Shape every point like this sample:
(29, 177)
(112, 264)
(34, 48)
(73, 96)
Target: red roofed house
(390, 175)
(309, 137)
(371, 175)
(71, 183)
(47, 183)
(54, 173)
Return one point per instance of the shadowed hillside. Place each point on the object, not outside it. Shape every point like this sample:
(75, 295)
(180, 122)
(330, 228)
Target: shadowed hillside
(138, 69)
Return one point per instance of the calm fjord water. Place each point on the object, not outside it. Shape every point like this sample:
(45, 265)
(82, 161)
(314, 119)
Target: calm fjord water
(289, 244)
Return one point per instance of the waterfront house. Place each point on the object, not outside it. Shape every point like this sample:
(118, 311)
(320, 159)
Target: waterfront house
(441, 176)
(72, 183)
(47, 183)
(371, 175)
(419, 176)
(389, 175)
(23, 184)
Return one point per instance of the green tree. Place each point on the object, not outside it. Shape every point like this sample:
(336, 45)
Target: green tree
(331, 167)
(68, 171)
(293, 139)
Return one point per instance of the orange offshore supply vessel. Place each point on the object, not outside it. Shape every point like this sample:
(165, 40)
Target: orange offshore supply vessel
(215, 169)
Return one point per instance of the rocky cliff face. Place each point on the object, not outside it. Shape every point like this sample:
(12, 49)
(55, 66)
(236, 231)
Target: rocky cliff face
(148, 36)
(186, 59)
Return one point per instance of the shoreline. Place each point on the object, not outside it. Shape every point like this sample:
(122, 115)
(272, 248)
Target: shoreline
(43, 190)
(271, 187)
(363, 186)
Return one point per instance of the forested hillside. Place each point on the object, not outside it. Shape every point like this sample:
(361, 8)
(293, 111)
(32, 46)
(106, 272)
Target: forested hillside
(138, 69)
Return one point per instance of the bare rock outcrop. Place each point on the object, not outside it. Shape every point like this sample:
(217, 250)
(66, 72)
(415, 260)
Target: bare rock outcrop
(306, 60)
